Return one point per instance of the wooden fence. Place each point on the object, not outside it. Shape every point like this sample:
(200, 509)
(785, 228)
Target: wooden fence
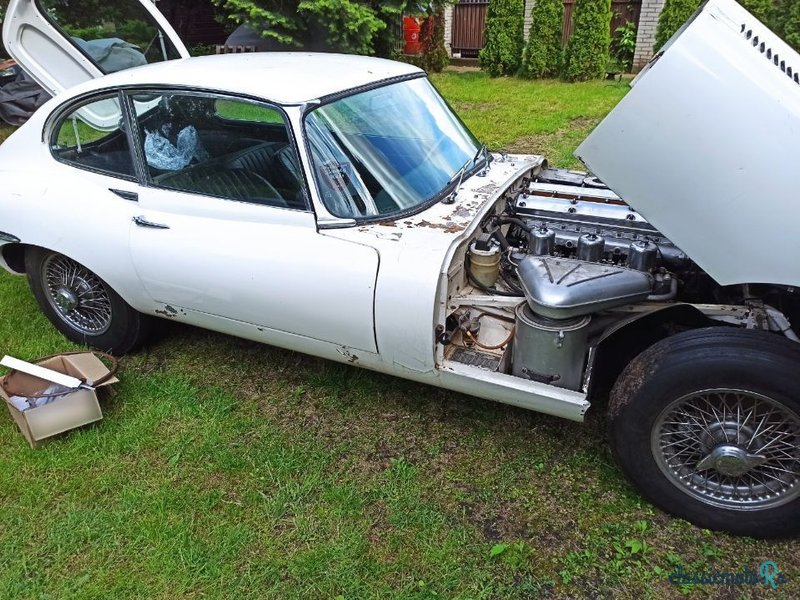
(621, 13)
(469, 22)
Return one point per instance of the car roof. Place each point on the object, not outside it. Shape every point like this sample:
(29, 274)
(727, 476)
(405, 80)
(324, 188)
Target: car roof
(280, 77)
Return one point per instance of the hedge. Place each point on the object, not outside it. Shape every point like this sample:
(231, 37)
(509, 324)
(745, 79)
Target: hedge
(504, 37)
(588, 47)
(544, 53)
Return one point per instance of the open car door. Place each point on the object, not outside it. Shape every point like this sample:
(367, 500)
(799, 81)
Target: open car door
(62, 43)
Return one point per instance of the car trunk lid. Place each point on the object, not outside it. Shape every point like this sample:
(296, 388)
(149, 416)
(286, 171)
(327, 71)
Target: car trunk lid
(62, 44)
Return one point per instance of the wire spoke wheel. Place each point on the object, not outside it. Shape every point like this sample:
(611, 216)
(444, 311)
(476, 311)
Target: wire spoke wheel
(730, 448)
(77, 295)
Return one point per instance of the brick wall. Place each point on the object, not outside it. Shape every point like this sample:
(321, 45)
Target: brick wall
(448, 29)
(527, 26)
(645, 38)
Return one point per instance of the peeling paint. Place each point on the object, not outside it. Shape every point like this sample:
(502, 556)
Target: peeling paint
(170, 311)
(448, 219)
(488, 189)
(344, 351)
(448, 227)
(393, 236)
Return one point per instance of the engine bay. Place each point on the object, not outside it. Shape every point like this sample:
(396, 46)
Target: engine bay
(559, 263)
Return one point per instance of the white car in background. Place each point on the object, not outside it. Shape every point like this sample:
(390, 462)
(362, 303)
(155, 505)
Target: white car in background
(335, 205)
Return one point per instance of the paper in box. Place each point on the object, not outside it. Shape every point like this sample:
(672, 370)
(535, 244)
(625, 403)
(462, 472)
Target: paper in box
(72, 410)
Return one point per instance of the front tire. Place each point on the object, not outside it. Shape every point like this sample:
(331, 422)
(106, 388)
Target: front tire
(706, 424)
(81, 305)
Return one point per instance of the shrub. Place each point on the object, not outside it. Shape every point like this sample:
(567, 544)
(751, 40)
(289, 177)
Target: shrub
(544, 53)
(623, 45)
(434, 54)
(761, 9)
(502, 53)
(675, 14)
(353, 26)
(589, 45)
(787, 22)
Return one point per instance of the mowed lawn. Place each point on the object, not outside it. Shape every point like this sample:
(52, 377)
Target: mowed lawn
(226, 469)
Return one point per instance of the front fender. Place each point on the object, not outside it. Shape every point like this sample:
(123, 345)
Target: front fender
(625, 339)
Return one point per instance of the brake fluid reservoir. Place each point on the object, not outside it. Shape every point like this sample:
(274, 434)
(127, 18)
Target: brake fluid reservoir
(484, 264)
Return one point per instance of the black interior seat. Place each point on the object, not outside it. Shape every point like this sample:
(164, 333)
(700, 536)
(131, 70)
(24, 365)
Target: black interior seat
(275, 162)
(257, 159)
(238, 184)
(286, 159)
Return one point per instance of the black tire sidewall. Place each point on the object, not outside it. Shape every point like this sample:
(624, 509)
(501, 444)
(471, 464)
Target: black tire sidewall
(127, 329)
(689, 363)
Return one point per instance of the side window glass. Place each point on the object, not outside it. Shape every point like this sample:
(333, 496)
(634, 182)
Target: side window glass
(92, 136)
(230, 149)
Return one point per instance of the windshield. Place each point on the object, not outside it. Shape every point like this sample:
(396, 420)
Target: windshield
(388, 150)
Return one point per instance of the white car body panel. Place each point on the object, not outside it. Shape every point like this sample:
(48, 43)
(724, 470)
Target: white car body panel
(63, 206)
(52, 61)
(368, 294)
(416, 253)
(693, 149)
(270, 266)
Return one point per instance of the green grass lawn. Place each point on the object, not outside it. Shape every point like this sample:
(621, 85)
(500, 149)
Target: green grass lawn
(226, 469)
(515, 115)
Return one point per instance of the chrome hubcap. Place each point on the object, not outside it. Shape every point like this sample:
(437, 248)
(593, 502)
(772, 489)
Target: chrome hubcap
(732, 461)
(66, 299)
(730, 448)
(78, 296)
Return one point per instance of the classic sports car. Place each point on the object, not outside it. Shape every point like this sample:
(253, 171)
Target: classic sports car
(335, 205)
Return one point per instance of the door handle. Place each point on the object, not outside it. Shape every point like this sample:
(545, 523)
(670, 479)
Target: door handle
(142, 222)
(125, 195)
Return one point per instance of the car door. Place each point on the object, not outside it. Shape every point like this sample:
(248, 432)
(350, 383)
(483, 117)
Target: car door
(62, 43)
(224, 228)
(84, 214)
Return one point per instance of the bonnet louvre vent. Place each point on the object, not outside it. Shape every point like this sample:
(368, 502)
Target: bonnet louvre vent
(773, 57)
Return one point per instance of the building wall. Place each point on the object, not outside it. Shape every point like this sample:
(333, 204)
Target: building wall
(527, 26)
(448, 29)
(645, 38)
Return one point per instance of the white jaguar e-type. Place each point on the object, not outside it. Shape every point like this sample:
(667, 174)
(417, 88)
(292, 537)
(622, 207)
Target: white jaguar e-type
(336, 206)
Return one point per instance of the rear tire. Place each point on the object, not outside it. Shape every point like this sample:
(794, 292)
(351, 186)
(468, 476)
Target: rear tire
(706, 424)
(82, 306)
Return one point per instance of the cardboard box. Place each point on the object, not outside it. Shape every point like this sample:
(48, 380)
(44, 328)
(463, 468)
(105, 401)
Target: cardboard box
(75, 409)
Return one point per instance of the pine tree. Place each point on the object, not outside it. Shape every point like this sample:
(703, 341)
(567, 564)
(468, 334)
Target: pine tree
(544, 52)
(341, 25)
(786, 20)
(588, 47)
(761, 9)
(674, 15)
(434, 54)
(502, 53)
